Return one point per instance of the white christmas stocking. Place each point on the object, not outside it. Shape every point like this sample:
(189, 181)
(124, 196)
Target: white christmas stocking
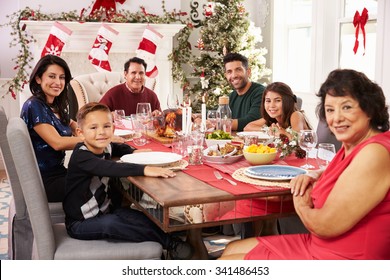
(98, 55)
(147, 50)
(59, 34)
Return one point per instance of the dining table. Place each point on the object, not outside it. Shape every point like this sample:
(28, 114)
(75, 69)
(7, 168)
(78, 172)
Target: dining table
(195, 198)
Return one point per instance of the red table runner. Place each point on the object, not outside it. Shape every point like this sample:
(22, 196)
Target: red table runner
(204, 172)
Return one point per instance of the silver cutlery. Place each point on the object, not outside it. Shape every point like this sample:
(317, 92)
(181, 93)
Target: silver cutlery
(230, 154)
(220, 177)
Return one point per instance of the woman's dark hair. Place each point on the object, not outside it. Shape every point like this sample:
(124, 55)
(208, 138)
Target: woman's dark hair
(135, 60)
(60, 103)
(347, 82)
(289, 103)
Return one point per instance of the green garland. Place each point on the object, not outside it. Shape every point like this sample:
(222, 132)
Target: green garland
(22, 39)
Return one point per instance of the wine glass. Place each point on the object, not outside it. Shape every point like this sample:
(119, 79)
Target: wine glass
(139, 137)
(119, 115)
(144, 115)
(197, 133)
(307, 141)
(212, 118)
(325, 154)
(172, 101)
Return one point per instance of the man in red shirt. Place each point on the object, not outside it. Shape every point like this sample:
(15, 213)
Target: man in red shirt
(126, 96)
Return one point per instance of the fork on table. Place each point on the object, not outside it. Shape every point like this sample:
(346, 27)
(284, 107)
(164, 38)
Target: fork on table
(220, 177)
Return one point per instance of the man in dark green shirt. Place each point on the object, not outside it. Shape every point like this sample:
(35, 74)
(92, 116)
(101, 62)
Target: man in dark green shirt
(245, 99)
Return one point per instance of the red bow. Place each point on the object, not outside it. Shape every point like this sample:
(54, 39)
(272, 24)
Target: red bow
(360, 21)
(106, 4)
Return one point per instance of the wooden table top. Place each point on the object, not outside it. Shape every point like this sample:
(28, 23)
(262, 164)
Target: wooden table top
(185, 189)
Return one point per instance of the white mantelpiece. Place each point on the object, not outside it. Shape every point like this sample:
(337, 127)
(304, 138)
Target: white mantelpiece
(79, 44)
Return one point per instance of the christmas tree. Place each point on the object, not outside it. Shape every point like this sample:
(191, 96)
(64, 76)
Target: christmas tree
(225, 28)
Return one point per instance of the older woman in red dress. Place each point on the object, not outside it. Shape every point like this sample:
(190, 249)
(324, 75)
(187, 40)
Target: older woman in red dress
(346, 208)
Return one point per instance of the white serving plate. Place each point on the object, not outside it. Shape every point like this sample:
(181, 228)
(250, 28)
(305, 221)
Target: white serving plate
(274, 172)
(151, 158)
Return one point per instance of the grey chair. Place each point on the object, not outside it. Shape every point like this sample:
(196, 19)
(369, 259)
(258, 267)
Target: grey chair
(20, 235)
(326, 136)
(52, 240)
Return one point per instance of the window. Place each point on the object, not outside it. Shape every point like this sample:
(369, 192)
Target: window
(364, 59)
(312, 38)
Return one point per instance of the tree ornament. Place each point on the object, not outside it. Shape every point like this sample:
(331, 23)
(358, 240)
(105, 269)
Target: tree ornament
(98, 55)
(209, 9)
(200, 44)
(147, 50)
(59, 34)
(241, 9)
(204, 82)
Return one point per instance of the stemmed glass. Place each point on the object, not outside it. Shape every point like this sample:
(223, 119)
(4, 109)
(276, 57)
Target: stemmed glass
(119, 116)
(212, 117)
(307, 141)
(173, 101)
(144, 115)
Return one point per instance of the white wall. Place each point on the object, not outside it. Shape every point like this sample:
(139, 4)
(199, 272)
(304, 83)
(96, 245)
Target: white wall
(7, 7)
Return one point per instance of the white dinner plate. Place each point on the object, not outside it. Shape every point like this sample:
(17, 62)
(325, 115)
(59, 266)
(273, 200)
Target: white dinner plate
(151, 158)
(123, 132)
(259, 134)
(274, 172)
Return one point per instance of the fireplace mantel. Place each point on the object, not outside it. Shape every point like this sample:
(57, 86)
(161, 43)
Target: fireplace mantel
(76, 49)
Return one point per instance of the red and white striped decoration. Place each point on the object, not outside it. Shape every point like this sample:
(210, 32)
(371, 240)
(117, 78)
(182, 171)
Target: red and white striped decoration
(147, 50)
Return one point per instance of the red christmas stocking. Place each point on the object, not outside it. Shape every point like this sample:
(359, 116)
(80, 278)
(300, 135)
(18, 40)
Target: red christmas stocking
(101, 47)
(147, 50)
(59, 34)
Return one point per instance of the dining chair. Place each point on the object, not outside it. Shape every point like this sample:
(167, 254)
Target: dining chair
(52, 240)
(20, 235)
(324, 135)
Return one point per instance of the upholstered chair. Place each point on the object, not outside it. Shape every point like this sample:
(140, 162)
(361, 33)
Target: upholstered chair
(20, 236)
(91, 88)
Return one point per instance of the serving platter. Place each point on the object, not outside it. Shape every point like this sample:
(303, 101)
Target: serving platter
(220, 159)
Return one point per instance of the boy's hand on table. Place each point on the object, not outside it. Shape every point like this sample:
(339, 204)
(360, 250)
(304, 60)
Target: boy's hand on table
(142, 150)
(153, 171)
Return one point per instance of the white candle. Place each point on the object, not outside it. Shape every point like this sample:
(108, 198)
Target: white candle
(189, 120)
(204, 115)
(183, 120)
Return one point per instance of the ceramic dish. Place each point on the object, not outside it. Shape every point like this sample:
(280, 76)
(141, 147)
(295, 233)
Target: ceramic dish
(274, 172)
(259, 134)
(219, 159)
(151, 158)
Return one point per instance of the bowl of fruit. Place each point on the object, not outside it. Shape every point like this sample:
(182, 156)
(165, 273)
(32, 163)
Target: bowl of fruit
(218, 137)
(259, 154)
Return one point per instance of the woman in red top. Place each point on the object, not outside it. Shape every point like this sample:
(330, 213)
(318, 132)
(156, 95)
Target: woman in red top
(346, 208)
